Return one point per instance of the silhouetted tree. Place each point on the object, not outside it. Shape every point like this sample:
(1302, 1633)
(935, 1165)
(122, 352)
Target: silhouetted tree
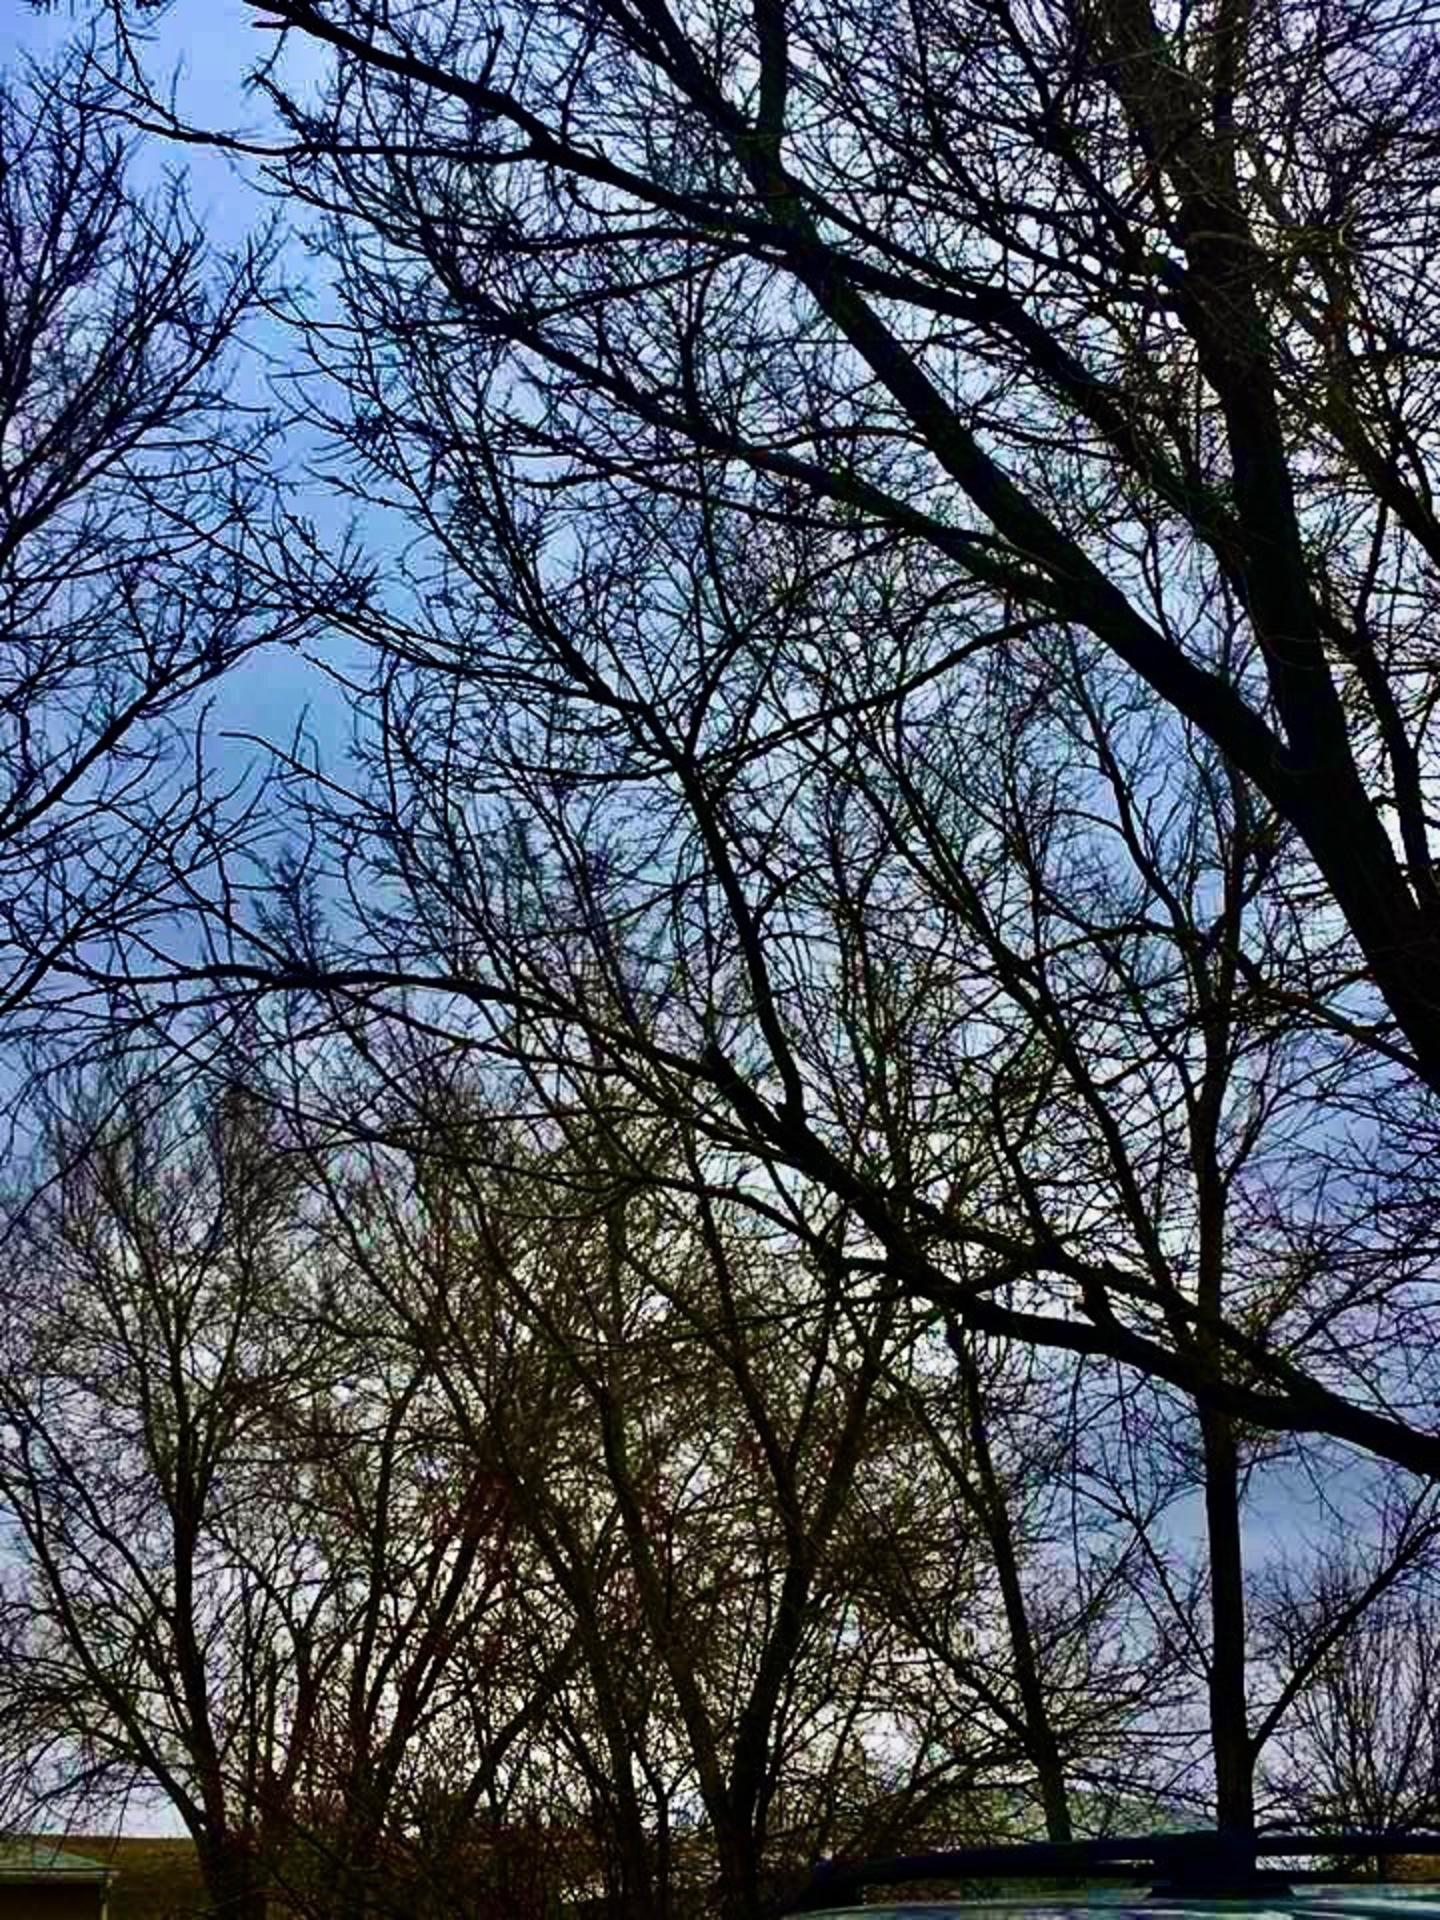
(915, 662)
(134, 491)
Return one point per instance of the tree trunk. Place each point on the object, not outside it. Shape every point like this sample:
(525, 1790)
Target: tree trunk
(355, 1876)
(234, 1883)
(1042, 1746)
(739, 1872)
(1229, 1723)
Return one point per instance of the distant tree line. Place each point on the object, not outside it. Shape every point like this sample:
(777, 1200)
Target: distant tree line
(434, 1543)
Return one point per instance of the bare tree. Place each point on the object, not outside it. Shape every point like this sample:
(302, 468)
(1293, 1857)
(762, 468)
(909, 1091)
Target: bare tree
(157, 1612)
(1009, 1606)
(1184, 232)
(244, 1570)
(1357, 1642)
(916, 662)
(680, 1410)
(135, 488)
(716, 549)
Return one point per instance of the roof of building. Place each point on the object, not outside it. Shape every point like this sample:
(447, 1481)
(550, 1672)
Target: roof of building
(42, 1859)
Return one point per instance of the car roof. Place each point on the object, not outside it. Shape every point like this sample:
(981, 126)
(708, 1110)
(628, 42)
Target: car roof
(1403, 1901)
(1221, 1872)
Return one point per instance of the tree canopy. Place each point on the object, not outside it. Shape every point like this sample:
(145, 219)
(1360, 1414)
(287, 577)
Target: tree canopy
(895, 769)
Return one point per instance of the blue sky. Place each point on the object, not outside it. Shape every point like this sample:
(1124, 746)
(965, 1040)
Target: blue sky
(205, 48)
